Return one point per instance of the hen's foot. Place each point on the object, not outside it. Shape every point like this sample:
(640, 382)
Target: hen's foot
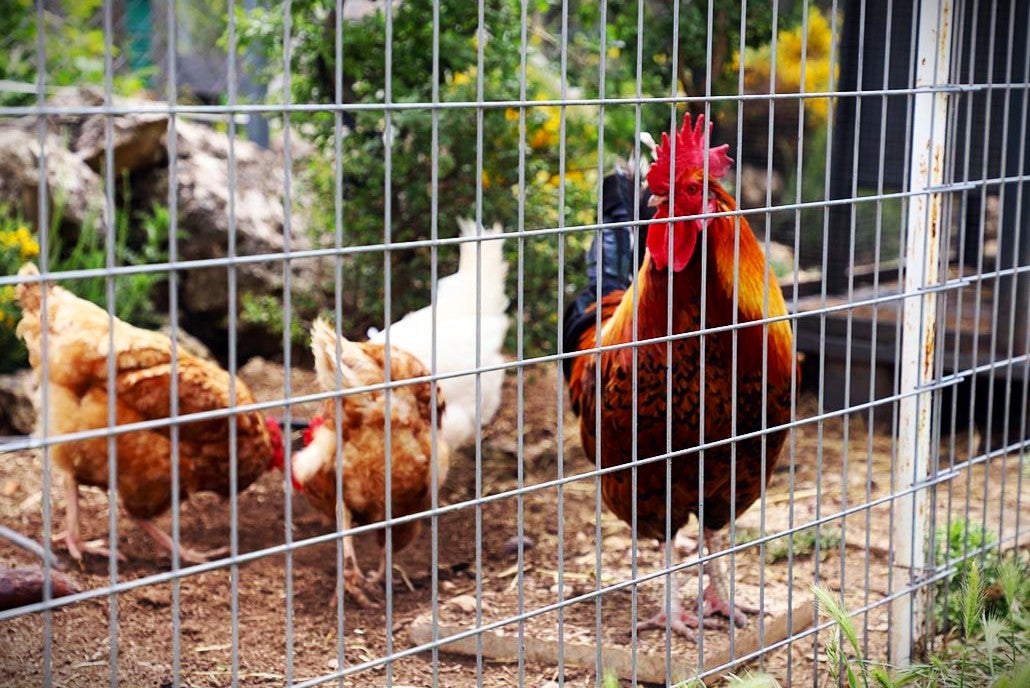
(77, 546)
(190, 556)
(354, 585)
(680, 622)
(714, 604)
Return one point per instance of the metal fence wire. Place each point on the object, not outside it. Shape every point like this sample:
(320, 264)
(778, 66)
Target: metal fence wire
(588, 445)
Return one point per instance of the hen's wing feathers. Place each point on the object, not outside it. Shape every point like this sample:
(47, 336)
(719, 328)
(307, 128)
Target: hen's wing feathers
(78, 339)
(363, 423)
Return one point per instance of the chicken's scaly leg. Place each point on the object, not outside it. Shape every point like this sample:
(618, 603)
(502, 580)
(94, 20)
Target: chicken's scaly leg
(678, 620)
(187, 555)
(353, 578)
(716, 597)
(70, 535)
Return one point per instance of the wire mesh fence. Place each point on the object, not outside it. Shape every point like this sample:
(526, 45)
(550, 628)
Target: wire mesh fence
(500, 369)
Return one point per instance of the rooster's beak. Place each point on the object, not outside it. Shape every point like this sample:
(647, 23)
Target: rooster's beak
(656, 201)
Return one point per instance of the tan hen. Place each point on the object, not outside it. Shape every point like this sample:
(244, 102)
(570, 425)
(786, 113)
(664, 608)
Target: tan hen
(78, 339)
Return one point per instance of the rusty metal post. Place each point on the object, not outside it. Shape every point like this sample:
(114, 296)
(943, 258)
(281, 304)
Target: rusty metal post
(922, 270)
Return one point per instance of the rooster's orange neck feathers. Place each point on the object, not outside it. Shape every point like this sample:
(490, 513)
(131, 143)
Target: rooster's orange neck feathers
(757, 293)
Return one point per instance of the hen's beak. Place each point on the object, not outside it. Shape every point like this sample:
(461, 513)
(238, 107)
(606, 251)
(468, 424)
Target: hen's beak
(297, 428)
(656, 201)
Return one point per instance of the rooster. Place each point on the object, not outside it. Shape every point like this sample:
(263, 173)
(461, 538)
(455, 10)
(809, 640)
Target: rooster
(749, 293)
(77, 338)
(364, 449)
(456, 301)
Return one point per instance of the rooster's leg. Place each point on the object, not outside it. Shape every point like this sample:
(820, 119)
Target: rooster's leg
(678, 620)
(716, 595)
(70, 535)
(187, 555)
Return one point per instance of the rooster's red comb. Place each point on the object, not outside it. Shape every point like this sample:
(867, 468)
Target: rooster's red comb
(690, 151)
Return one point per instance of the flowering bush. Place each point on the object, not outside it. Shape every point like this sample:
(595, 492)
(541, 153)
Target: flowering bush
(133, 293)
(17, 245)
(793, 46)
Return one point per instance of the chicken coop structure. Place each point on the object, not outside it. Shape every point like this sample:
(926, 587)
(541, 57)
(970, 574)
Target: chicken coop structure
(486, 348)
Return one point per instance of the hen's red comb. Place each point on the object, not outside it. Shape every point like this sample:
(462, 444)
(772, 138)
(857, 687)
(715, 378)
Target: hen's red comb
(690, 151)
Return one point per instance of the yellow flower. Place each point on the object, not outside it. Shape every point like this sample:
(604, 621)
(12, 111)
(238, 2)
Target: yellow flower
(511, 114)
(22, 241)
(614, 52)
(486, 179)
(462, 78)
(818, 46)
(541, 139)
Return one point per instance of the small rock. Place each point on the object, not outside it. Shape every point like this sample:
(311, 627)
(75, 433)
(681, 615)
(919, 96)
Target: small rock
(466, 603)
(616, 543)
(754, 182)
(511, 545)
(17, 403)
(188, 342)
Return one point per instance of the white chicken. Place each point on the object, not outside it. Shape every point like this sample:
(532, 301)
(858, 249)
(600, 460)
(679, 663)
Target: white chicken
(456, 341)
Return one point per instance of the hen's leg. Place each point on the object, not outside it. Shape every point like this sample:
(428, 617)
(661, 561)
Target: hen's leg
(70, 535)
(678, 620)
(353, 578)
(187, 555)
(716, 596)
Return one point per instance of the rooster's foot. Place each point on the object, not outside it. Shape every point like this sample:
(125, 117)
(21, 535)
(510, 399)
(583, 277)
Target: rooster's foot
(77, 546)
(679, 622)
(715, 604)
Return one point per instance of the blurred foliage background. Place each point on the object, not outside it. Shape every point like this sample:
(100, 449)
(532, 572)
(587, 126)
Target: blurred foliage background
(533, 167)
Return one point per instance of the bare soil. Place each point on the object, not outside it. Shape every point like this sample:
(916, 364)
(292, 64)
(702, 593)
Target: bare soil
(287, 620)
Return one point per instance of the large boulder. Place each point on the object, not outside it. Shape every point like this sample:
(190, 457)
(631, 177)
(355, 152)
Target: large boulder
(17, 403)
(72, 188)
(75, 147)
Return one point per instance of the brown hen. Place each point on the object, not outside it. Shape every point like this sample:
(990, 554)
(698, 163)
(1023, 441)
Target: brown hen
(77, 345)
(364, 451)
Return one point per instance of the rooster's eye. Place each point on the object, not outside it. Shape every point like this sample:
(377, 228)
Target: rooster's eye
(692, 189)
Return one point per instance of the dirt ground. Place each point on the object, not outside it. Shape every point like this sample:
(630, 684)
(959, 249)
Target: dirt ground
(832, 466)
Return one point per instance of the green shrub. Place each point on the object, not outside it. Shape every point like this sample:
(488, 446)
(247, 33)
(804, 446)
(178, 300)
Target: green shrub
(961, 544)
(992, 652)
(140, 238)
(17, 245)
(552, 194)
(74, 43)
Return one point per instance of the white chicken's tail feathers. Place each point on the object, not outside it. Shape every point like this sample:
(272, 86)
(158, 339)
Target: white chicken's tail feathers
(494, 267)
(356, 367)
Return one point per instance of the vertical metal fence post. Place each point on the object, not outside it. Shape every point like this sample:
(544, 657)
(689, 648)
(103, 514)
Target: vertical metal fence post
(922, 251)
